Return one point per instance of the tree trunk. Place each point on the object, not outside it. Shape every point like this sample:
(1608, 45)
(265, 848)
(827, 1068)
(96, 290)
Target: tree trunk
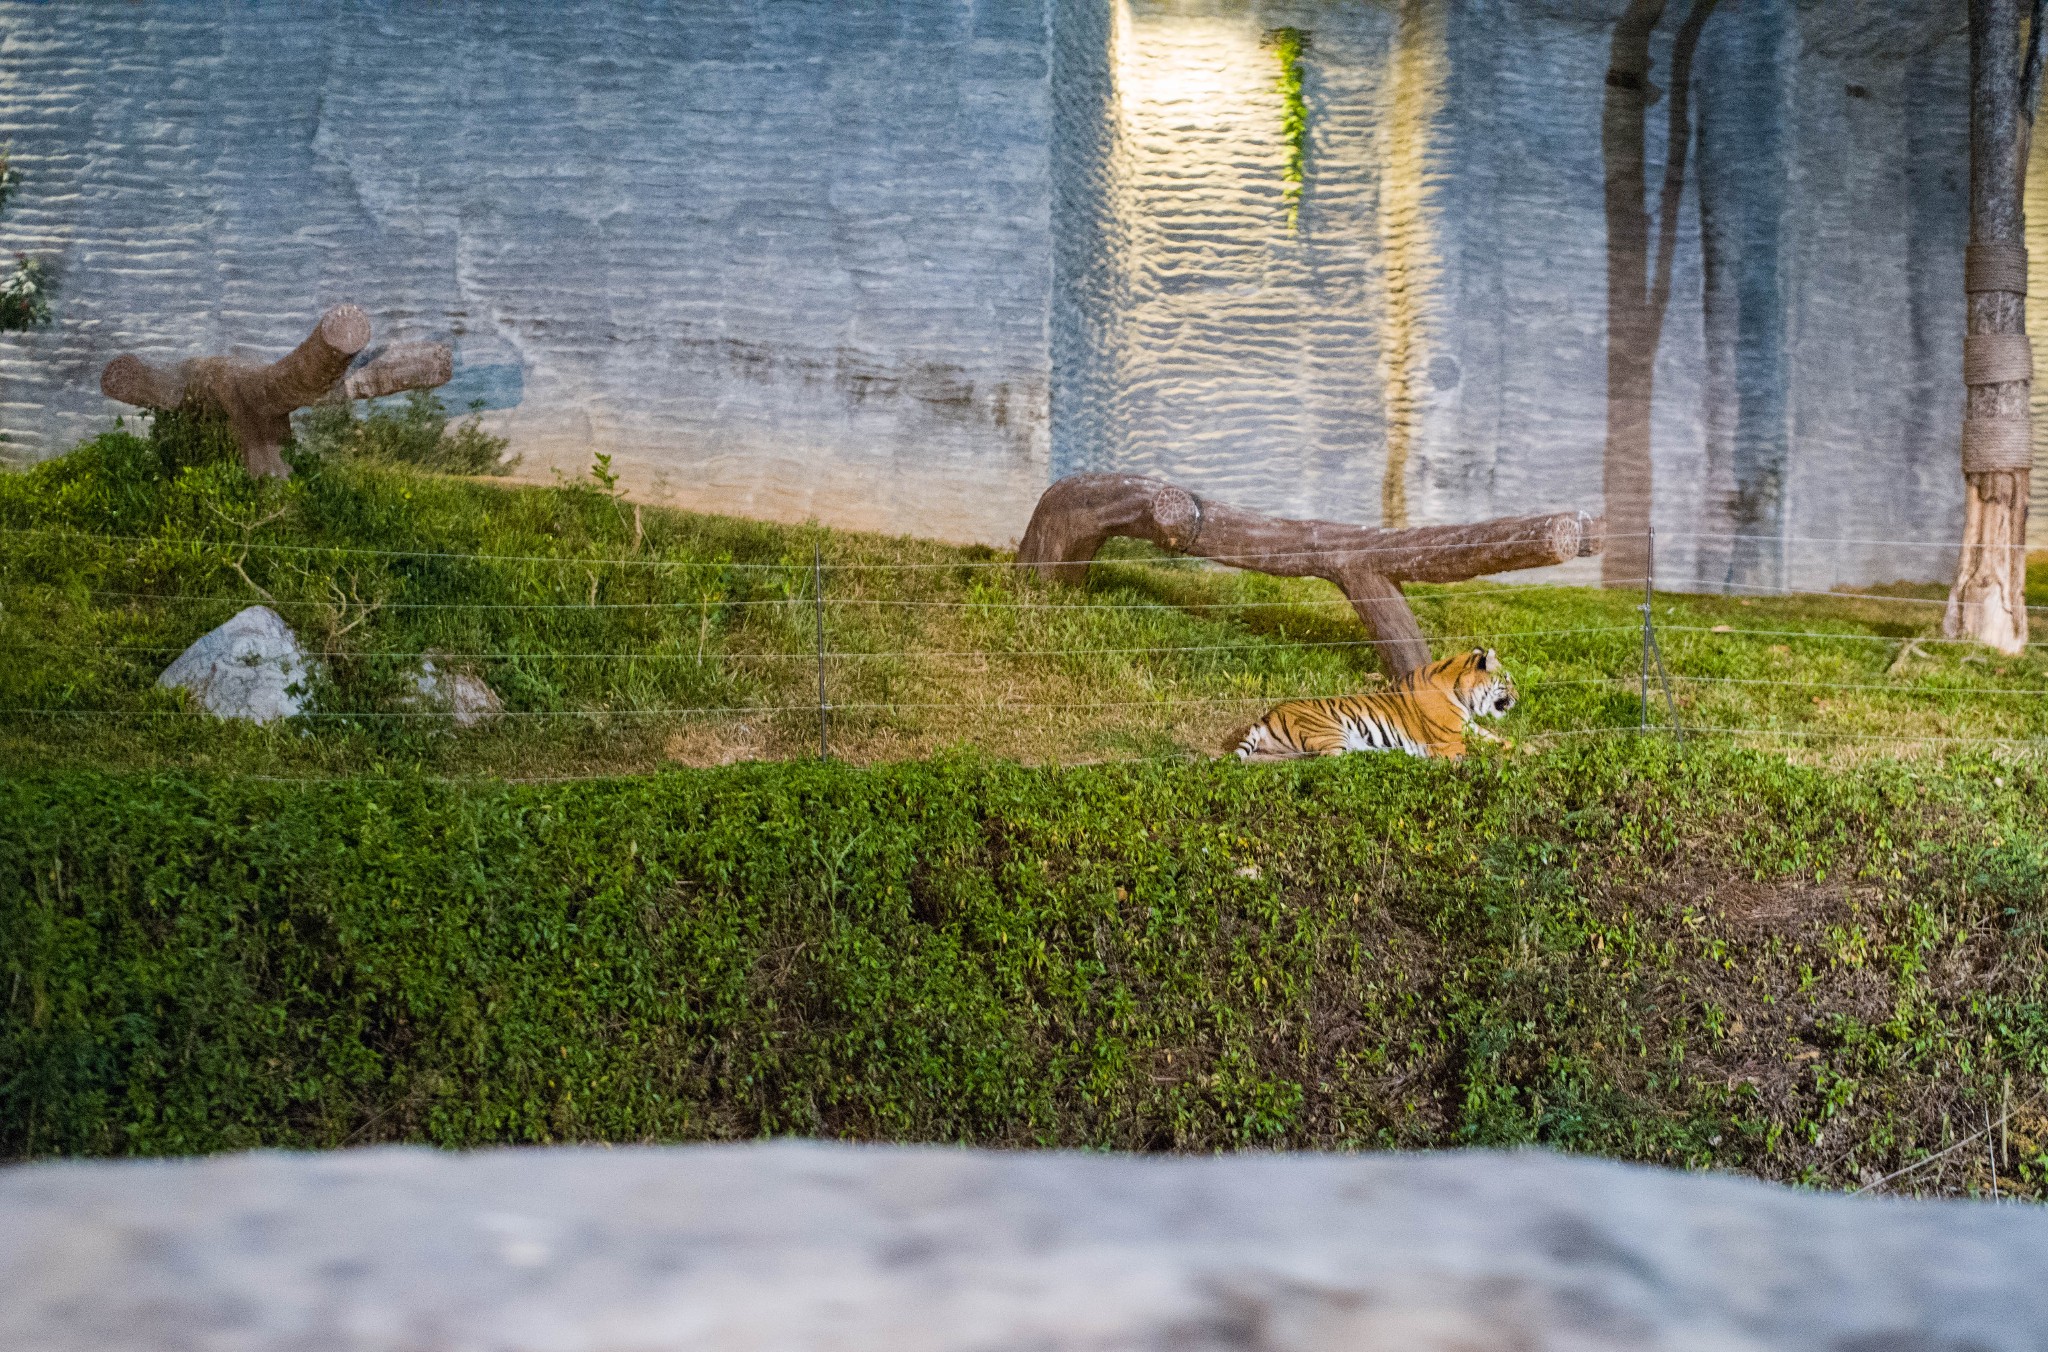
(1077, 514)
(259, 400)
(1988, 601)
(1638, 281)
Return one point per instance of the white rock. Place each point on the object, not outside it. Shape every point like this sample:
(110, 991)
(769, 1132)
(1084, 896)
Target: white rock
(250, 668)
(465, 697)
(871, 1249)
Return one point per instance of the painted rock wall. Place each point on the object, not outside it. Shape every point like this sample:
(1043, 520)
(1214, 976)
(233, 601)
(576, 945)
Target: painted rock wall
(1205, 339)
(896, 264)
(780, 259)
(1835, 176)
(1455, 256)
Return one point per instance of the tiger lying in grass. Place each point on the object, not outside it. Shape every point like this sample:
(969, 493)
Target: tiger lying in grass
(1425, 713)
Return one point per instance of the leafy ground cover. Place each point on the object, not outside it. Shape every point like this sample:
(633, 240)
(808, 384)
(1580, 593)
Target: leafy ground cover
(1713, 958)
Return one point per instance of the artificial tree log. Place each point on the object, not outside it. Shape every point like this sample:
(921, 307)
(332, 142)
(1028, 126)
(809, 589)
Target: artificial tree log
(402, 366)
(259, 401)
(1076, 515)
(1988, 600)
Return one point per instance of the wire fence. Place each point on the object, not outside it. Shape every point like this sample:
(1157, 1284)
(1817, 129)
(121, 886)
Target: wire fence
(822, 600)
(161, 543)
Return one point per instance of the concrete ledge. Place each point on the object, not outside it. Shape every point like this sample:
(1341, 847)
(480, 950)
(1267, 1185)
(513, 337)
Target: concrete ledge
(818, 1246)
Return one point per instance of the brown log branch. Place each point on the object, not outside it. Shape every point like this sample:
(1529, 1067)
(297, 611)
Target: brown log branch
(402, 366)
(1077, 514)
(259, 401)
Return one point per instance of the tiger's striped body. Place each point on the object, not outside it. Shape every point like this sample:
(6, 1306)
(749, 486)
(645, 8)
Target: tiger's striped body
(1425, 713)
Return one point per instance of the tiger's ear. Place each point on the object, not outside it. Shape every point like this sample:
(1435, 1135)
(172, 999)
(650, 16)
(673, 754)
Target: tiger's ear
(1487, 661)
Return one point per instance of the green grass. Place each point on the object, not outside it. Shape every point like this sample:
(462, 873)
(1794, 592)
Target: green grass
(624, 638)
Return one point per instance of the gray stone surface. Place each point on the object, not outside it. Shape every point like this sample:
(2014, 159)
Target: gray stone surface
(1223, 350)
(812, 1246)
(466, 700)
(249, 668)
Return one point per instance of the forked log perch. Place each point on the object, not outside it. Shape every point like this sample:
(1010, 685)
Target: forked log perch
(1077, 514)
(259, 400)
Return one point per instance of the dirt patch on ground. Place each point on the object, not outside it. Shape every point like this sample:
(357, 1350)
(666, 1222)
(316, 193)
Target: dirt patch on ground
(721, 743)
(1818, 1014)
(1756, 909)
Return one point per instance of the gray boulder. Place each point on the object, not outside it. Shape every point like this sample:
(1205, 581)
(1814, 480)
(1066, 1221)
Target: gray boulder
(807, 1246)
(250, 668)
(464, 698)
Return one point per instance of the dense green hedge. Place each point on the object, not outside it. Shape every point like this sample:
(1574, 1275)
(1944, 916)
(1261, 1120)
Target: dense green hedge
(1714, 958)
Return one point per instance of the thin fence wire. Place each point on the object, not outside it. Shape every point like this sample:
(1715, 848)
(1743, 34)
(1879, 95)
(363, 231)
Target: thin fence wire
(1753, 591)
(1865, 685)
(815, 596)
(801, 599)
(792, 566)
(713, 602)
(1249, 646)
(360, 551)
(1831, 540)
(1807, 734)
(1728, 631)
(1415, 592)
(874, 706)
(2029, 743)
(1546, 735)
(823, 704)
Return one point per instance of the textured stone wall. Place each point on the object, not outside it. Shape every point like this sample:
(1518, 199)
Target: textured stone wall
(807, 1246)
(1515, 411)
(1835, 174)
(897, 263)
(1242, 358)
(1452, 266)
(782, 258)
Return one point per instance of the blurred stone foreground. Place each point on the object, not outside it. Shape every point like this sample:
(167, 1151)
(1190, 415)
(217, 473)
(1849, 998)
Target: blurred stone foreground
(819, 1246)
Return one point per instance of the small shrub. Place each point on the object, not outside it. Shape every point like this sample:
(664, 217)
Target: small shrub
(25, 295)
(415, 433)
(25, 292)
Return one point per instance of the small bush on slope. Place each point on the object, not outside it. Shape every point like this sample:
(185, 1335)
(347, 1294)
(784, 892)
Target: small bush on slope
(413, 431)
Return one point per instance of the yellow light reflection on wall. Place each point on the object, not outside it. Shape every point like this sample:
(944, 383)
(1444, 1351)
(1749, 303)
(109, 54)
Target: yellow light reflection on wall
(1200, 127)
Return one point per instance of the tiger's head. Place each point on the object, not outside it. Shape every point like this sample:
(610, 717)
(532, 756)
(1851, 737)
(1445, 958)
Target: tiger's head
(1476, 683)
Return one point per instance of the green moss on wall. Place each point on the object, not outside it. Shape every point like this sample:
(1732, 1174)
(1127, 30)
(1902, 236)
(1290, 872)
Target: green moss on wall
(1288, 45)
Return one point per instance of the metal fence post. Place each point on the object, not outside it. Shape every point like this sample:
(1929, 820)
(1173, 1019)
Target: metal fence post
(1649, 584)
(818, 593)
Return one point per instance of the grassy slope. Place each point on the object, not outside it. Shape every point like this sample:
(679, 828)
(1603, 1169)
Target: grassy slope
(596, 617)
(1717, 958)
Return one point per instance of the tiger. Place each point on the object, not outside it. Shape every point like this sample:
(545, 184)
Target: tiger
(1427, 712)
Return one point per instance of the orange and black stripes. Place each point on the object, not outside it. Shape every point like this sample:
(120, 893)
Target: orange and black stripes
(1425, 713)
